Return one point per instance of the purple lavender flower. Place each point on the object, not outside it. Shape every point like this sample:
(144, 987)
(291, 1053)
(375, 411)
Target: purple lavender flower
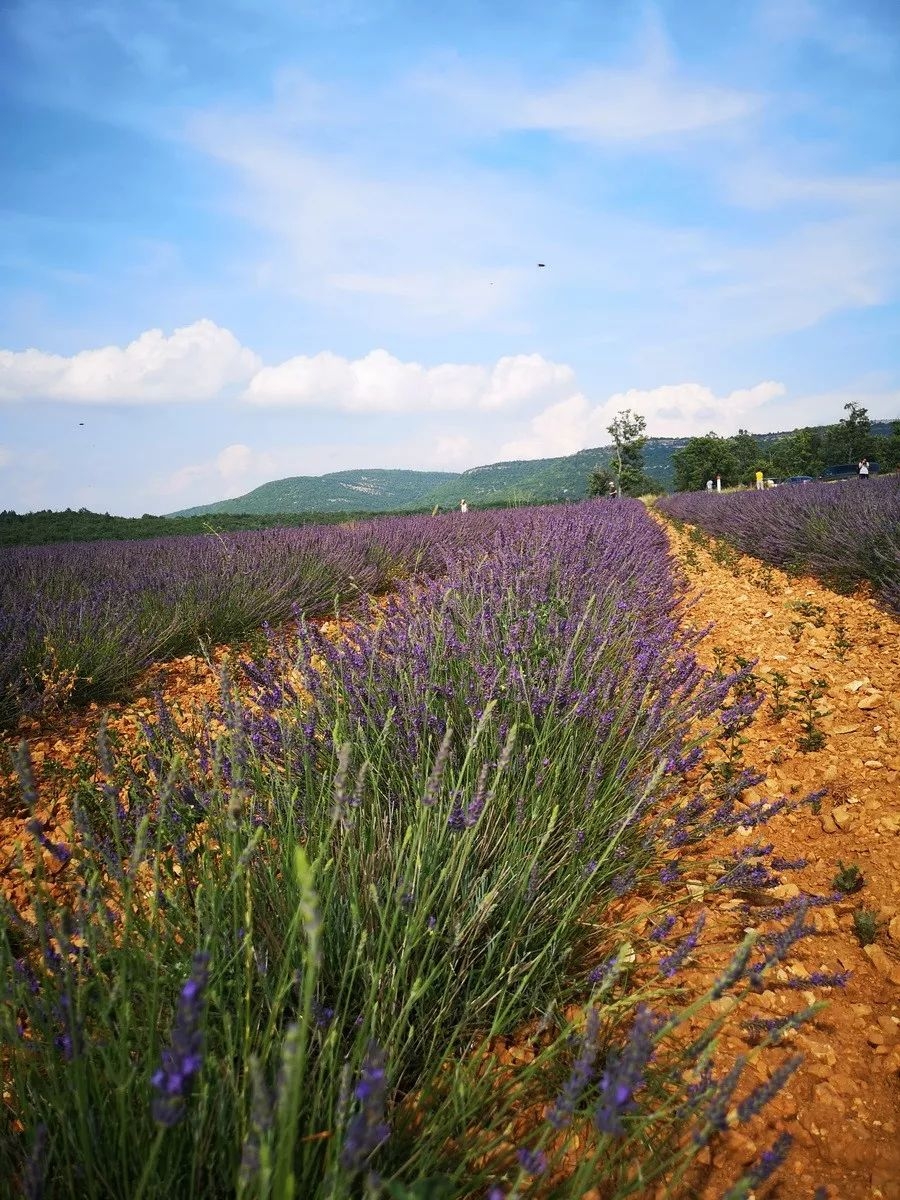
(582, 1072)
(770, 1160)
(761, 1095)
(532, 1162)
(734, 971)
(603, 973)
(823, 979)
(60, 852)
(624, 1073)
(673, 962)
(717, 1110)
(181, 1062)
(368, 1129)
(321, 1014)
(774, 1027)
(664, 928)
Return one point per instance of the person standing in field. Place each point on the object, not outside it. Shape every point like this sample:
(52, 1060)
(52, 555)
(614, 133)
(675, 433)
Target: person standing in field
(718, 483)
(759, 481)
(864, 468)
(463, 506)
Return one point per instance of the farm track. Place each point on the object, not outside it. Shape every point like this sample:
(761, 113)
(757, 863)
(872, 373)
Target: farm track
(843, 1105)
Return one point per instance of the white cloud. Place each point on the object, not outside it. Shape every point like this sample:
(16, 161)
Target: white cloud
(561, 428)
(674, 410)
(197, 362)
(236, 469)
(687, 409)
(203, 362)
(606, 105)
(380, 383)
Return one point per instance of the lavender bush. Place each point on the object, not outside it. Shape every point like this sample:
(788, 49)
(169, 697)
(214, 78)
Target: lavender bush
(296, 941)
(846, 533)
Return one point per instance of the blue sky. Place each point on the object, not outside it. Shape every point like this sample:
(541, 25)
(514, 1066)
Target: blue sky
(240, 241)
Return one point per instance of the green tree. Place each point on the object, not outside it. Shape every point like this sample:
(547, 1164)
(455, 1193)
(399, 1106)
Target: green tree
(627, 431)
(749, 454)
(851, 438)
(887, 451)
(704, 458)
(599, 482)
(798, 453)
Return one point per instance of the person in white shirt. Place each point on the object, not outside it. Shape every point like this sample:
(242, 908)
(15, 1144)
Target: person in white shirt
(864, 469)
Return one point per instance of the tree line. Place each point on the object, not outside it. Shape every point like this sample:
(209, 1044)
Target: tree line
(808, 451)
(82, 525)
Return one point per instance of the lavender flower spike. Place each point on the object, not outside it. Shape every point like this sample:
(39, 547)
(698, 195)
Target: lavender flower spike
(182, 1061)
(672, 963)
(532, 1162)
(563, 1110)
(368, 1129)
(624, 1074)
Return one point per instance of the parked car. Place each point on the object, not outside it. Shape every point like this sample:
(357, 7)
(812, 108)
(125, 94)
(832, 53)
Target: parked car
(847, 470)
(800, 479)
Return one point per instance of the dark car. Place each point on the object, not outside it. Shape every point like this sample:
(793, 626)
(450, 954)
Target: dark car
(800, 479)
(846, 470)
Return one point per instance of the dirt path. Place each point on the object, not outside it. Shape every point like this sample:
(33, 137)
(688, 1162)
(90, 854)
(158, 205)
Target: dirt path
(843, 1105)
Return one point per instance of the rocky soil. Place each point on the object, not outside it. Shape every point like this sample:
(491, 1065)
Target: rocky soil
(843, 1104)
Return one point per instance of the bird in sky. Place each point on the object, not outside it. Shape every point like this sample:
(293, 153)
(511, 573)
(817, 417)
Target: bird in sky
(542, 264)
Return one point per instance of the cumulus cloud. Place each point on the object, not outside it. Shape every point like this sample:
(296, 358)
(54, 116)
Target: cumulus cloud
(237, 468)
(195, 363)
(674, 410)
(380, 383)
(203, 362)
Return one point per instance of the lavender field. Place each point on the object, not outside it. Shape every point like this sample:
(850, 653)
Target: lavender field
(79, 622)
(298, 939)
(847, 534)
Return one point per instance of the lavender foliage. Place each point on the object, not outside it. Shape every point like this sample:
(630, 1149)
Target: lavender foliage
(844, 533)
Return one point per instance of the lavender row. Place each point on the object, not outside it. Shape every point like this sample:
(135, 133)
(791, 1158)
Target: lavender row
(81, 621)
(297, 938)
(845, 533)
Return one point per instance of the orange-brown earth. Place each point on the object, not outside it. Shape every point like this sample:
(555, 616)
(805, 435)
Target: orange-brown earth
(843, 1105)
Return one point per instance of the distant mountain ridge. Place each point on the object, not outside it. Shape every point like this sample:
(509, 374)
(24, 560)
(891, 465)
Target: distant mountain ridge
(519, 481)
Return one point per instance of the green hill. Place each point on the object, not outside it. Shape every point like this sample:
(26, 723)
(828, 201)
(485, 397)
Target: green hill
(372, 490)
(518, 482)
